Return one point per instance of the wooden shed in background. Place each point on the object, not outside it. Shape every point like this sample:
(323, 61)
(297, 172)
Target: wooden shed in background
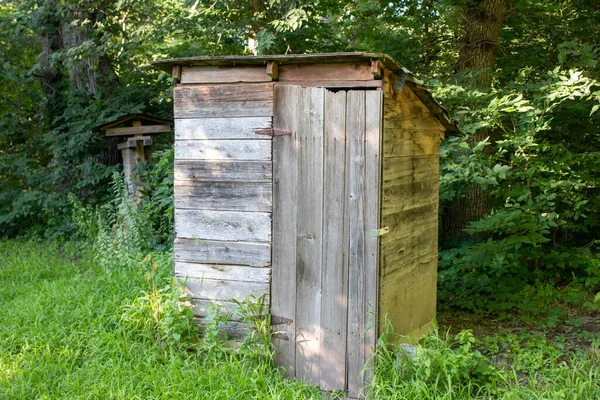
(312, 179)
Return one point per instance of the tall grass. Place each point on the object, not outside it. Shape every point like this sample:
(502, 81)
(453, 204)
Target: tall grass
(63, 335)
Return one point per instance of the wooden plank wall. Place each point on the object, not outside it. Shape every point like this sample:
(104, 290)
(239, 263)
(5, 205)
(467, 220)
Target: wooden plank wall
(410, 197)
(223, 187)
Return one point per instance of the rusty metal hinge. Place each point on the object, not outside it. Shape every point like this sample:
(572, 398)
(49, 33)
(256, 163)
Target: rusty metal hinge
(273, 132)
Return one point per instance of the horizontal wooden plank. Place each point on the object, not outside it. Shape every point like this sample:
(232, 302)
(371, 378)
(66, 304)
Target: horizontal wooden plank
(223, 252)
(408, 298)
(396, 255)
(335, 84)
(223, 225)
(216, 74)
(333, 72)
(222, 170)
(401, 232)
(403, 219)
(202, 308)
(408, 143)
(221, 289)
(223, 149)
(221, 128)
(241, 273)
(211, 195)
(241, 100)
(231, 329)
(402, 170)
(137, 130)
(405, 196)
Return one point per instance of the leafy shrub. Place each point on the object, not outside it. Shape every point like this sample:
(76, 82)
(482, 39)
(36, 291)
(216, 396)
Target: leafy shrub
(162, 312)
(543, 194)
(438, 366)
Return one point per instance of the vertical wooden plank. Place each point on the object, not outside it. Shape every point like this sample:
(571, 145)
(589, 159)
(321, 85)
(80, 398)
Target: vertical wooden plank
(334, 301)
(309, 233)
(357, 320)
(372, 178)
(283, 285)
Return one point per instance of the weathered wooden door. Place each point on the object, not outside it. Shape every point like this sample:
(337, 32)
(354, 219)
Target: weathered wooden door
(325, 202)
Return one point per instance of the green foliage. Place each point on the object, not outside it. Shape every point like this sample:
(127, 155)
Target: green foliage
(161, 311)
(157, 195)
(438, 366)
(543, 189)
(80, 331)
(258, 344)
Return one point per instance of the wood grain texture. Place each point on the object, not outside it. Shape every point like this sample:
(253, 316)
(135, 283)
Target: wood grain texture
(285, 193)
(223, 225)
(334, 303)
(221, 128)
(417, 215)
(223, 252)
(403, 252)
(337, 85)
(222, 170)
(372, 173)
(223, 150)
(241, 273)
(409, 296)
(405, 196)
(408, 143)
(241, 100)
(355, 131)
(202, 308)
(309, 235)
(137, 130)
(217, 74)
(409, 169)
(222, 289)
(410, 192)
(333, 72)
(233, 196)
(230, 330)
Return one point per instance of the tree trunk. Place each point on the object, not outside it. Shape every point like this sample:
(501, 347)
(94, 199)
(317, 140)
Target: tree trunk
(477, 51)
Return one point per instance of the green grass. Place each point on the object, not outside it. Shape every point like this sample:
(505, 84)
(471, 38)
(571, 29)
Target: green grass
(62, 336)
(70, 329)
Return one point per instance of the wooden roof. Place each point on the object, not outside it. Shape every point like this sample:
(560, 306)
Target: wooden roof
(123, 119)
(322, 58)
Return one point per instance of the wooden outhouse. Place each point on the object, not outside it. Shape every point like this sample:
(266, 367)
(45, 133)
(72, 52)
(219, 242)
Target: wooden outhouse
(312, 179)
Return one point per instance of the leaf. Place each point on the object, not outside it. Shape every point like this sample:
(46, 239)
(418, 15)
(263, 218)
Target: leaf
(594, 109)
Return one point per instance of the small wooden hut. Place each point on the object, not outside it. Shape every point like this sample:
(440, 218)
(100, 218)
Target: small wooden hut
(312, 179)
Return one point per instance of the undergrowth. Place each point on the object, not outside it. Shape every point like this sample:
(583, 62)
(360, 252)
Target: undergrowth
(503, 366)
(104, 319)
